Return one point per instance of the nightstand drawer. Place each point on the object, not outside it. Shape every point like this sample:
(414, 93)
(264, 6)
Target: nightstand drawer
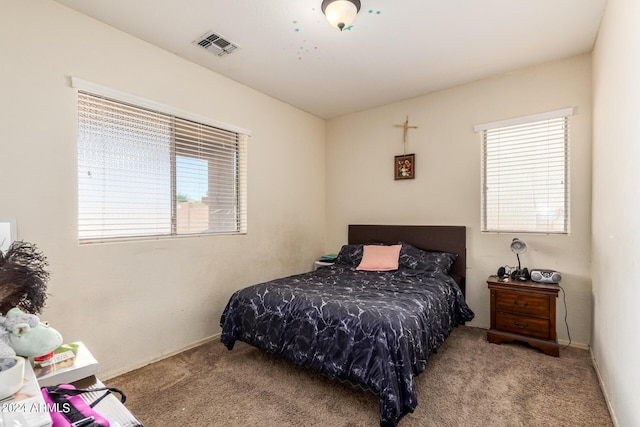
(530, 326)
(523, 303)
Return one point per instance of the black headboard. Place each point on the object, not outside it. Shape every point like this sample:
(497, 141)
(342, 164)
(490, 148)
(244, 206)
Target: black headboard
(445, 238)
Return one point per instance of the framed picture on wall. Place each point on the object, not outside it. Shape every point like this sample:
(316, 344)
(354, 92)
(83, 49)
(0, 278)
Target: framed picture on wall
(405, 166)
(7, 233)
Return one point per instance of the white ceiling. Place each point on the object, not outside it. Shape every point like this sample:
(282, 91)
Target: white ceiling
(395, 50)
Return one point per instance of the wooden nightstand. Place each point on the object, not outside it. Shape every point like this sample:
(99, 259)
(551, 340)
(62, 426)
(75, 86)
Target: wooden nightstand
(524, 311)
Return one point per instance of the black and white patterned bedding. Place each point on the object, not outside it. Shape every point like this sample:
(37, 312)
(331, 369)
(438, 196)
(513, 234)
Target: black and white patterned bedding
(372, 328)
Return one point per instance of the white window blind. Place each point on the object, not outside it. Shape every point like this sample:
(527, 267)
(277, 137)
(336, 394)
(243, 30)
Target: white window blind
(145, 173)
(525, 175)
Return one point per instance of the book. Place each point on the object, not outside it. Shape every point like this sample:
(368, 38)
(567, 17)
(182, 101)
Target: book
(26, 407)
(69, 363)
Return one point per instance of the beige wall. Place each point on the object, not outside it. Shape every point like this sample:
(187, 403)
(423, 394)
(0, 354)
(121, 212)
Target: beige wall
(446, 190)
(134, 302)
(616, 201)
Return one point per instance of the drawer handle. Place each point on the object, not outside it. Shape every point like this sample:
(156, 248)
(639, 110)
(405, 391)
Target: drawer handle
(525, 325)
(526, 303)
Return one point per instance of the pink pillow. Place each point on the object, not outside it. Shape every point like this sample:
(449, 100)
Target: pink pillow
(380, 258)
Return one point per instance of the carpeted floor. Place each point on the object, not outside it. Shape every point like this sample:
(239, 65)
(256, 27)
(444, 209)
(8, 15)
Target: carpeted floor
(469, 382)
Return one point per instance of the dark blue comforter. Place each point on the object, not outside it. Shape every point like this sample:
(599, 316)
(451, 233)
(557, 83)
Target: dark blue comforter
(372, 328)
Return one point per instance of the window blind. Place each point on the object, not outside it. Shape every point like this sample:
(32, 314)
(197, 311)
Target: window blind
(525, 171)
(145, 173)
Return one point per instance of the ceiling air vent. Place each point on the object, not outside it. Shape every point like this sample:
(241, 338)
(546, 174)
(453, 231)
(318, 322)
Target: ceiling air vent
(216, 44)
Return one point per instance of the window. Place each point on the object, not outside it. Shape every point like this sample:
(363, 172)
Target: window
(525, 174)
(145, 173)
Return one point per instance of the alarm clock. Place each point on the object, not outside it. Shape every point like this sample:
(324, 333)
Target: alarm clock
(545, 276)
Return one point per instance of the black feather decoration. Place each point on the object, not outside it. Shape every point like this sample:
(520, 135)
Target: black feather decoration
(23, 278)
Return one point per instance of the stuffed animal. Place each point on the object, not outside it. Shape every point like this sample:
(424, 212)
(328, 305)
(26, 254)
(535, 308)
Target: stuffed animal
(23, 334)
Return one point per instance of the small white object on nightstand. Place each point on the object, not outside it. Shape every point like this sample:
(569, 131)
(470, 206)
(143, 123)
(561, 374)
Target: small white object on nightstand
(319, 264)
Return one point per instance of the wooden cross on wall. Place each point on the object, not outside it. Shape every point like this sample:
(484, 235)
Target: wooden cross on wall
(405, 130)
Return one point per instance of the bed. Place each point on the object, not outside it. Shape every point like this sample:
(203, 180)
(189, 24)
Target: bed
(375, 329)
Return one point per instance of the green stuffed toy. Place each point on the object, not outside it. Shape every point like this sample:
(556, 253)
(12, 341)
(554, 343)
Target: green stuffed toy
(23, 334)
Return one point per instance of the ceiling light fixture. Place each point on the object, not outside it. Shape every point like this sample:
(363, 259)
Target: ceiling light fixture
(340, 13)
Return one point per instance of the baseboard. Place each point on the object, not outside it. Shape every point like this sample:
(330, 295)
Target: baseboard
(594, 363)
(111, 374)
(564, 343)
